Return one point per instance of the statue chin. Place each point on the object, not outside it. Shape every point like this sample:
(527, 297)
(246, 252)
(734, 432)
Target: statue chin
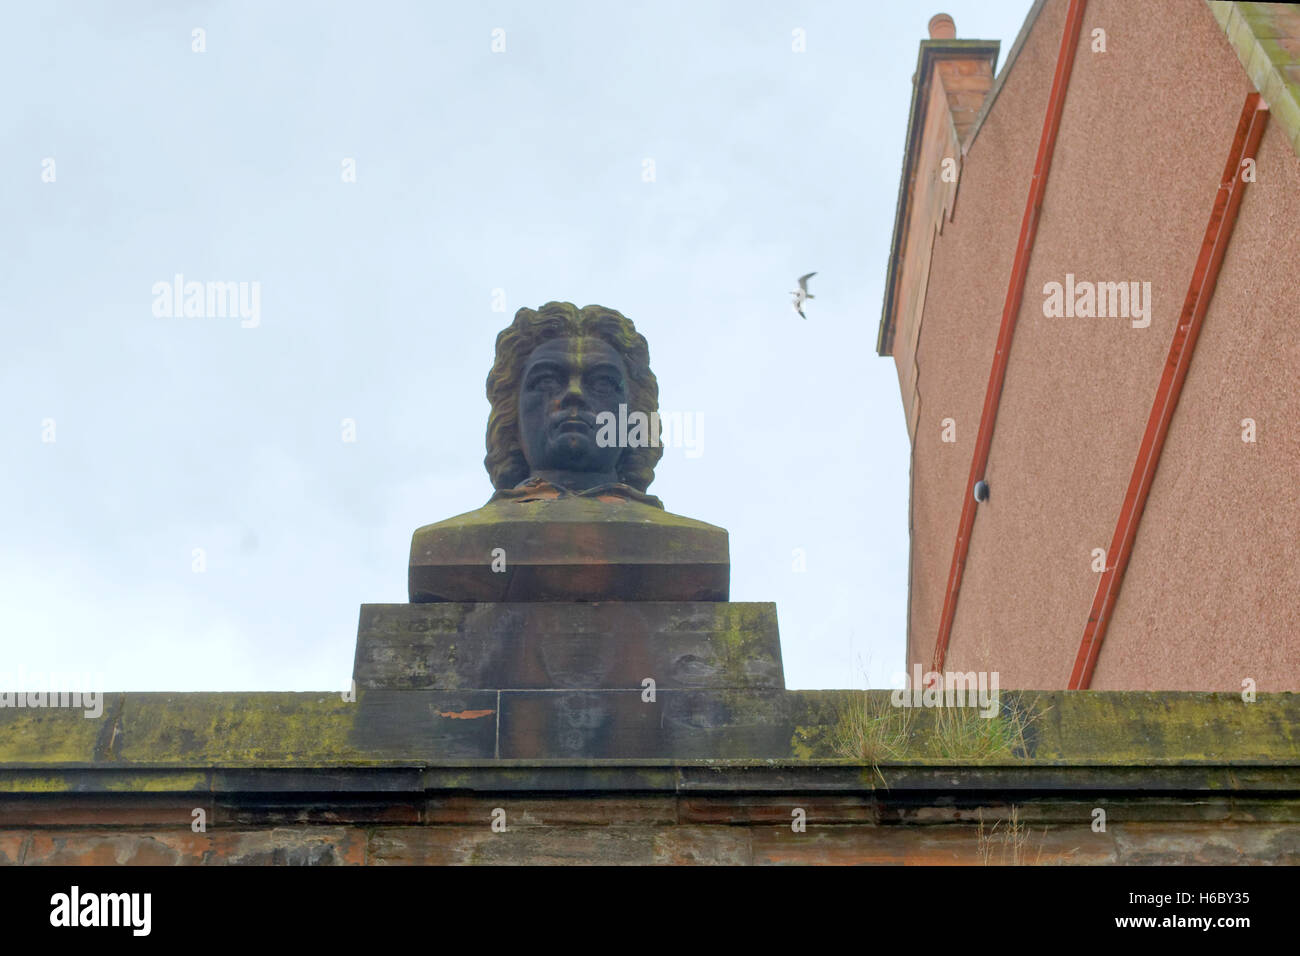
(576, 454)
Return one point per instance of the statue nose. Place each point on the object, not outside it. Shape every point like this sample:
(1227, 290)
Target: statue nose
(573, 392)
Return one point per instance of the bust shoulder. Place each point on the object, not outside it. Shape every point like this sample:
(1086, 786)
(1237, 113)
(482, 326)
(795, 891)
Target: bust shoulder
(572, 547)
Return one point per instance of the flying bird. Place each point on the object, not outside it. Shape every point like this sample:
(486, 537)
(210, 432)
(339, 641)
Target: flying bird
(802, 294)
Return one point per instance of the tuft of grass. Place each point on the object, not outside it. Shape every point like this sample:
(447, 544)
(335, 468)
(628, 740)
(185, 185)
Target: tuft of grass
(1013, 840)
(1014, 837)
(962, 733)
(874, 731)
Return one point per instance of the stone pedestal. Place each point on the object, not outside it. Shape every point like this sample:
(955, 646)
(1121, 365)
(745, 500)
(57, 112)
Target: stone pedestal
(694, 679)
(584, 626)
(607, 645)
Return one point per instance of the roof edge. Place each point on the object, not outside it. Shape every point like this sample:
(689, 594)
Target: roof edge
(1030, 19)
(930, 51)
(1273, 68)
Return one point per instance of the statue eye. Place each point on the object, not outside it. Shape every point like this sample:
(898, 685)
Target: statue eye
(544, 381)
(606, 384)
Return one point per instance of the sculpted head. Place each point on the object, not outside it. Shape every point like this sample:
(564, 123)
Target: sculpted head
(557, 368)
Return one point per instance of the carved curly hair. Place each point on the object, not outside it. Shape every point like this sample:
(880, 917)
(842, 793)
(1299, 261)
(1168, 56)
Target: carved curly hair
(505, 460)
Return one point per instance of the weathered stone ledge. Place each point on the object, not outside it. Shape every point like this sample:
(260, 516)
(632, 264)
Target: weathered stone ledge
(419, 728)
(507, 776)
(312, 779)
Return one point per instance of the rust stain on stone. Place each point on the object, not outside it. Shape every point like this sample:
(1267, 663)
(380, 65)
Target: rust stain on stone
(464, 714)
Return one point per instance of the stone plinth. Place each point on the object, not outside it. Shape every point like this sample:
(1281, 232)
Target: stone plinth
(569, 549)
(548, 646)
(541, 680)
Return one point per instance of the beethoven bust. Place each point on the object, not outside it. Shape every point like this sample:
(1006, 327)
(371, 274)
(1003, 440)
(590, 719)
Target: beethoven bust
(570, 519)
(557, 370)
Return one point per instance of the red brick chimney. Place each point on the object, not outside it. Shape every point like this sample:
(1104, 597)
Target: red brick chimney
(965, 78)
(942, 27)
(952, 79)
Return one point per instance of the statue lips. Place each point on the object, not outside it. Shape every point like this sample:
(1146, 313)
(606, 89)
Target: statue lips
(579, 424)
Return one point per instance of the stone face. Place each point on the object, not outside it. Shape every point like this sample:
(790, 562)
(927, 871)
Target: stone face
(570, 548)
(547, 646)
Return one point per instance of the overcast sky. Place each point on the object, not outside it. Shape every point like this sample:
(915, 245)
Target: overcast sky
(132, 439)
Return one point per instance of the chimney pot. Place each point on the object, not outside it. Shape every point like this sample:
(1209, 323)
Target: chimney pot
(942, 27)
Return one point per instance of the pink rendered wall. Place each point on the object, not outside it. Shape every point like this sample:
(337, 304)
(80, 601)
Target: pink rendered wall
(1212, 590)
(968, 273)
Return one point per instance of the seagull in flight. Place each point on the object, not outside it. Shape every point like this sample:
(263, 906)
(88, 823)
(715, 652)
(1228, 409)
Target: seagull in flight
(802, 294)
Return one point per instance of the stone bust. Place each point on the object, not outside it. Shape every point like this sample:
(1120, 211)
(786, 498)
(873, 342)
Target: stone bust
(570, 518)
(559, 372)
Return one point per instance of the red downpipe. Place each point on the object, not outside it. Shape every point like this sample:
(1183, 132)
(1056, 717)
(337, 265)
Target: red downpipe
(1223, 216)
(1010, 310)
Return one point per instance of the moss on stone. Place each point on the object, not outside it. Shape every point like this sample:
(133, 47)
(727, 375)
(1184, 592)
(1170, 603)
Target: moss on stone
(261, 730)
